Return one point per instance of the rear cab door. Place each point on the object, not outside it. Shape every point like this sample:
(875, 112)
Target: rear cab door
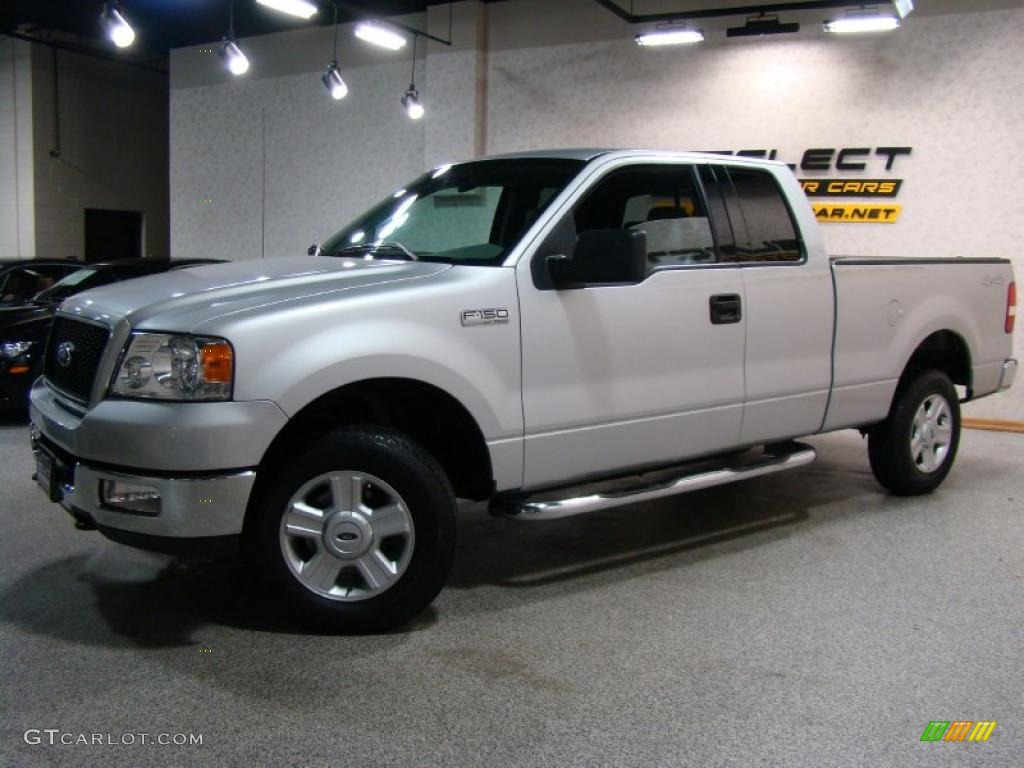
(789, 301)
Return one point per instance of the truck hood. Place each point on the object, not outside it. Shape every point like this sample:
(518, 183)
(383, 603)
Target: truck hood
(183, 299)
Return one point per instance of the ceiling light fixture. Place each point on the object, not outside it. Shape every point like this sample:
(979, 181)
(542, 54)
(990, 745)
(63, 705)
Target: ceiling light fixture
(300, 8)
(870, 20)
(762, 24)
(331, 78)
(236, 61)
(670, 34)
(116, 26)
(411, 101)
(334, 83)
(372, 32)
(903, 7)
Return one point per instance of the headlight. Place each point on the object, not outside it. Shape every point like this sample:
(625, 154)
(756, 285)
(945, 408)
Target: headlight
(175, 367)
(12, 349)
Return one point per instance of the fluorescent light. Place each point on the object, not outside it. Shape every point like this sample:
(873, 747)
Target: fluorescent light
(854, 24)
(333, 82)
(413, 105)
(233, 57)
(117, 27)
(378, 35)
(670, 36)
(299, 8)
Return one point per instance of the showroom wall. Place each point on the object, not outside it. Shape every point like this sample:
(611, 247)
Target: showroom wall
(17, 214)
(112, 149)
(284, 166)
(269, 164)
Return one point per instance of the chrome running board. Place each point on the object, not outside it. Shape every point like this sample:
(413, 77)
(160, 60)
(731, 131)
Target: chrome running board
(566, 502)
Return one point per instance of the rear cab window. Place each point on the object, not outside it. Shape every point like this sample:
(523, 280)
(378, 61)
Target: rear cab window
(762, 222)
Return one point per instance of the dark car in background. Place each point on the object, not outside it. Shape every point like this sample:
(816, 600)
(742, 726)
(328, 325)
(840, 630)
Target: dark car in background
(24, 326)
(20, 281)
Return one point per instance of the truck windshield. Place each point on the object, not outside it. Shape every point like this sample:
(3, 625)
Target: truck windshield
(471, 213)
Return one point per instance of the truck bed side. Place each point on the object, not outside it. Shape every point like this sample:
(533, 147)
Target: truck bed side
(886, 309)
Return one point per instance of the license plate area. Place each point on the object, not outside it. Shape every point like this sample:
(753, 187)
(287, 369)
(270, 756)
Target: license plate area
(47, 474)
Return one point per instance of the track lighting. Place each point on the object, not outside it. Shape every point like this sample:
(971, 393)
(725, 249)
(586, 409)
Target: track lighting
(230, 53)
(116, 26)
(411, 100)
(334, 83)
(373, 32)
(234, 59)
(413, 105)
(331, 78)
(300, 8)
(862, 22)
(672, 34)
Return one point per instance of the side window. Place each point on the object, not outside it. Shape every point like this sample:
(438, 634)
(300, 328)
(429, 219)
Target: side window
(20, 285)
(663, 202)
(771, 233)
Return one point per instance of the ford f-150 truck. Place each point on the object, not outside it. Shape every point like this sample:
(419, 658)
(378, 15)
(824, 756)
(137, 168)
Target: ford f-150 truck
(555, 332)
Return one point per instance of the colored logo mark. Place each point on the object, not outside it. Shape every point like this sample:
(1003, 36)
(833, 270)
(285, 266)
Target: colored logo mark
(958, 730)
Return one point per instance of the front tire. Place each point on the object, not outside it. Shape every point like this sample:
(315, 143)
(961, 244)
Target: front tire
(912, 451)
(357, 533)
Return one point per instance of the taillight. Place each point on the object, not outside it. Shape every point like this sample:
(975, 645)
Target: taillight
(1011, 307)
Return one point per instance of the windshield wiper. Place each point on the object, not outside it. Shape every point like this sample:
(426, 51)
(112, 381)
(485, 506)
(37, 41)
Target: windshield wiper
(390, 246)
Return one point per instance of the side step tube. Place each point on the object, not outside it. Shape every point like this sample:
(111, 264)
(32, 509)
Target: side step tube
(551, 505)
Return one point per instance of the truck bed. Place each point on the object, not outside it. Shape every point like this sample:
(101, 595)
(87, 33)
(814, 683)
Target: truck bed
(886, 308)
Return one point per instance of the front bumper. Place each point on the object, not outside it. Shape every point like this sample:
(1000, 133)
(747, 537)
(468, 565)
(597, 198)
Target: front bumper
(14, 387)
(199, 458)
(194, 507)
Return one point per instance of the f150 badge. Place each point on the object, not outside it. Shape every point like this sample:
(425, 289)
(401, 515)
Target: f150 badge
(484, 316)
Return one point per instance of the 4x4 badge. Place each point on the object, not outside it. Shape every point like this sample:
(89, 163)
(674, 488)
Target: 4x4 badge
(484, 316)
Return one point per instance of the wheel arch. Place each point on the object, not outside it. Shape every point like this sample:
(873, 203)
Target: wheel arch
(429, 415)
(945, 351)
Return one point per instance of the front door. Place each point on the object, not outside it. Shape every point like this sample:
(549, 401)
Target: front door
(627, 376)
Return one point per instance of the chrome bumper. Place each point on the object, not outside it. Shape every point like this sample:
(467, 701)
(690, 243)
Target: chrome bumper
(199, 458)
(190, 507)
(1008, 375)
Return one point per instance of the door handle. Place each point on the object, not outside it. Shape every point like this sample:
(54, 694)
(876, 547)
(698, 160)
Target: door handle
(725, 308)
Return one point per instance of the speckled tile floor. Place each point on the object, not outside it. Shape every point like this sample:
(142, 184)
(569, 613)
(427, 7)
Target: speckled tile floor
(805, 619)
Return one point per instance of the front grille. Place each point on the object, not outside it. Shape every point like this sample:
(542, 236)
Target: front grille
(73, 370)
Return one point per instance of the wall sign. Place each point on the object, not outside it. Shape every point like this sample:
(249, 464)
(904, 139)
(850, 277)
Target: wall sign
(856, 213)
(846, 160)
(851, 187)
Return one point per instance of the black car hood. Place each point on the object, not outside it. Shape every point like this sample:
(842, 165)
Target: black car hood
(26, 323)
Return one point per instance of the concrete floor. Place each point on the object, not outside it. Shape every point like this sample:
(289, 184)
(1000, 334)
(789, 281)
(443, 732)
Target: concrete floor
(804, 619)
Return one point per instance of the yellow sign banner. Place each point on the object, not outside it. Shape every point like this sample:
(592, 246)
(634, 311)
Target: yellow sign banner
(856, 213)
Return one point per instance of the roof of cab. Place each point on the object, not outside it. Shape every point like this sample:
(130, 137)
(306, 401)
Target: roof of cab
(588, 154)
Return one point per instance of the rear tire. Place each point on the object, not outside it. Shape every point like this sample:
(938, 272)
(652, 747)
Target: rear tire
(912, 451)
(357, 533)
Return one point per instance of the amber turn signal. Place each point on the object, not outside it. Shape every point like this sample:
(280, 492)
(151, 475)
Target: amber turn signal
(218, 362)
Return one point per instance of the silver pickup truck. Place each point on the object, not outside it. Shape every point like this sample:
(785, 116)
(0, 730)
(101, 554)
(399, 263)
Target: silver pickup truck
(555, 332)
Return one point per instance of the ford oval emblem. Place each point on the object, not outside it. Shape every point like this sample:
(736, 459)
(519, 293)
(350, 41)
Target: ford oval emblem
(65, 351)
